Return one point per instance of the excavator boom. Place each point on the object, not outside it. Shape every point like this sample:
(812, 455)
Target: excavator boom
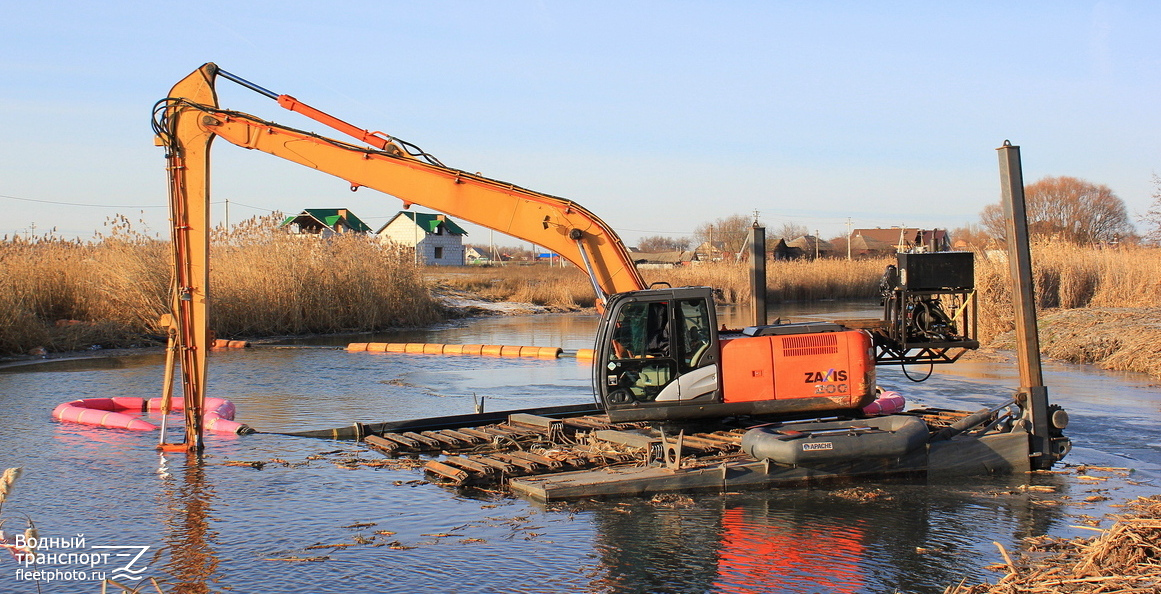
(188, 120)
(559, 225)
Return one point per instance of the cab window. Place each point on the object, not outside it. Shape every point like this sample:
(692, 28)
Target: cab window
(641, 331)
(693, 332)
(641, 358)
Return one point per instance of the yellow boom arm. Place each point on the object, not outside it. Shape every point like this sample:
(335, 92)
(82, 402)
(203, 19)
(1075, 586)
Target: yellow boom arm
(190, 119)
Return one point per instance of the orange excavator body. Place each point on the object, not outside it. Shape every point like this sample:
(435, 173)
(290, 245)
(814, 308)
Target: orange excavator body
(673, 385)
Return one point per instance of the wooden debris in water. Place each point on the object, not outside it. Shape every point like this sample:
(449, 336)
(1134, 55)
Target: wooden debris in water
(862, 494)
(337, 545)
(1125, 558)
(671, 500)
(251, 463)
(361, 525)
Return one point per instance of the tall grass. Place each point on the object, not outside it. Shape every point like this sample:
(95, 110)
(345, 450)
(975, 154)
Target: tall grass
(113, 284)
(565, 288)
(266, 282)
(1095, 306)
(1067, 276)
(263, 282)
(569, 288)
(786, 281)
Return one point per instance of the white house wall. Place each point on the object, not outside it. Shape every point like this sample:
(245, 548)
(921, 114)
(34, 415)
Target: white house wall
(404, 231)
(453, 250)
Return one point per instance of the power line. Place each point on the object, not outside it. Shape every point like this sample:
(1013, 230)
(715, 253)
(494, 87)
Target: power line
(236, 203)
(84, 204)
(114, 205)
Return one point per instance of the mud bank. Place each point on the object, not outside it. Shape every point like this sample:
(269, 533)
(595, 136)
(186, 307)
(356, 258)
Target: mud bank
(1117, 338)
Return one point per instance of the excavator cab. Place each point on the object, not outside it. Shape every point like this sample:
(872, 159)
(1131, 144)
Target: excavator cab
(657, 351)
(661, 357)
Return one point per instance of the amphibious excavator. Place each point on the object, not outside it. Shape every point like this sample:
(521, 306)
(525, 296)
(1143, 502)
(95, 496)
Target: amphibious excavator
(660, 354)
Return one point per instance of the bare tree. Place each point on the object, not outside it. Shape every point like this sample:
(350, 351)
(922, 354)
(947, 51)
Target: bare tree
(974, 236)
(1152, 218)
(728, 234)
(789, 231)
(1066, 208)
(660, 243)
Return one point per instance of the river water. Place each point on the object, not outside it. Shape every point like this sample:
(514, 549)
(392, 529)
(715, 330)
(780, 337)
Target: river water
(327, 516)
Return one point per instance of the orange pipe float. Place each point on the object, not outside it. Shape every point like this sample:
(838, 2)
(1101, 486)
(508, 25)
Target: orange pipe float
(120, 413)
(222, 343)
(488, 350)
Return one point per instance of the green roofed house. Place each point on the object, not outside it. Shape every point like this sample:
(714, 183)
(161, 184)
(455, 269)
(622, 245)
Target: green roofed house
(437, 240)
(324, 222)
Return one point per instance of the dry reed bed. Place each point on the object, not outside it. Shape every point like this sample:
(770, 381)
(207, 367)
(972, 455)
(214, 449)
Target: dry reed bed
(263, 283)
(1124, 558)
(1069, 277)
(1097, 306)
(569, 288)
(1094, 306)
(786, 281)
(266, 282)
(564, 289)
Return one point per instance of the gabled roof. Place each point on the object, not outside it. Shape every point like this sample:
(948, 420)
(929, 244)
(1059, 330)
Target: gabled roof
(907, 237)
(329, 217)
(428, 222)
(862, 242)
(894, 236)
(810, 242)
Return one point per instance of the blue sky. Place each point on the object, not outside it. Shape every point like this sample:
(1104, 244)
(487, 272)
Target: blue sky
(658, 116)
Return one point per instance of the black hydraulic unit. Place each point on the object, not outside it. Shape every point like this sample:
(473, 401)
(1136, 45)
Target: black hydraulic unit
(929, 309)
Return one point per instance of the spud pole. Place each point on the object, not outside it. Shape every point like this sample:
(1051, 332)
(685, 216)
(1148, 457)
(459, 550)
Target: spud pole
(758, 274)
(1033, 395)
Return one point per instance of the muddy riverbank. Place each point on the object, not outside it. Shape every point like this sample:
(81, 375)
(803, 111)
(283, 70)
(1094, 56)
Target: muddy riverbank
(1115, 338)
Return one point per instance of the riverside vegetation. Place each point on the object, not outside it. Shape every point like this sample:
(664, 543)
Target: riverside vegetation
(61, 294)
(1096, 306)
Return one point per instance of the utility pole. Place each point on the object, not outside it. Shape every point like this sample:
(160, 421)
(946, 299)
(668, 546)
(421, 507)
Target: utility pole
(227, 214)
(816, 244)
(848, 238)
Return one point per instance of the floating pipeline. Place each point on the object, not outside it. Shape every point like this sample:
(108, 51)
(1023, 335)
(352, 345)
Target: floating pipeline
(486, 350)
(121, 413)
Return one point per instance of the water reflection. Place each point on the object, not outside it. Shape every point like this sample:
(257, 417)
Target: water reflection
(192, 561)
(567, 331)
(764, 550)
(878, 537)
